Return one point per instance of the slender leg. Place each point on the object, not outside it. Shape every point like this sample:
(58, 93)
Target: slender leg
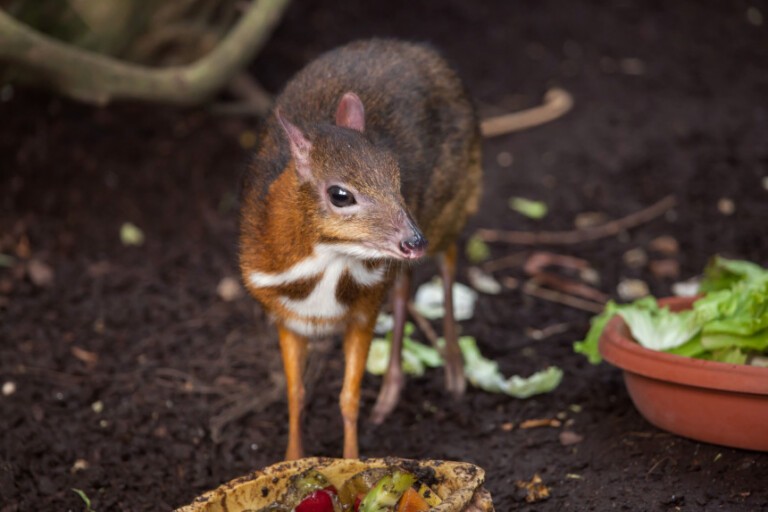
(294, 350)
(394, 379)
(356, 344)
(454, 364)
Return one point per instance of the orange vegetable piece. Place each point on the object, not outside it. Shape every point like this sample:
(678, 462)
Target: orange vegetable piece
(412, 501)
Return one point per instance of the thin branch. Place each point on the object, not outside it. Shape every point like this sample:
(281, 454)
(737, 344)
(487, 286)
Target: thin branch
(557, 102)
(423, 324)
(534, 290)
(98, 79)
(576, 236)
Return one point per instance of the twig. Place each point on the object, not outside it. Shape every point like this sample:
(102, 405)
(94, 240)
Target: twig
(541, 259)
(556, 103)
(423, 324)
(576, 236)
(95, 78)
(511, 260)
(569, 286)
(546, 332)
(531, 288)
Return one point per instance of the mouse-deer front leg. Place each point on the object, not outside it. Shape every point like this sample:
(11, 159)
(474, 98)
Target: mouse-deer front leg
(357, 341)
(455, 382)
(294, 350)
(394, 379)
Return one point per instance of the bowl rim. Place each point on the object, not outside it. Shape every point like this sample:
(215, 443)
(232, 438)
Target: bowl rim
(619, 348)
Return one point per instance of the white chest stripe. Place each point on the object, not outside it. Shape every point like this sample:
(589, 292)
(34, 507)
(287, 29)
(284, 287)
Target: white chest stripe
(332, 261)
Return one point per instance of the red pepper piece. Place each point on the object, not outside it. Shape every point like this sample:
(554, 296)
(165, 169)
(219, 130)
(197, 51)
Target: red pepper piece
(317, 501)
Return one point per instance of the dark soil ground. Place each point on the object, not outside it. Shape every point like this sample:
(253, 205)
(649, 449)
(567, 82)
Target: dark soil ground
(131, 372)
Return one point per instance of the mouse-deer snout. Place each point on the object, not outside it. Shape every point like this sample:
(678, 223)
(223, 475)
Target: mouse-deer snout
(413, 245)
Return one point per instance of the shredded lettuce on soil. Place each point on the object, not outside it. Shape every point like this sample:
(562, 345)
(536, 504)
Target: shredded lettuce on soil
(728, 324)
(481, 372)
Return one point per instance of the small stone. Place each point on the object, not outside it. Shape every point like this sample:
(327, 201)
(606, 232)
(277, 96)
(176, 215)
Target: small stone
(589, 276)
(229, 289)
(635, 258)
(508, 426)
(665, 244)
(510, 283)
(9, 388)
(575, 408)
(754, 16)
(689, 288)
(586, 220)
(631, 289)
(669, 268)
(504, 159)
(79, 465)
(726, 206)
(40, 274)
(97, 406)
(569, 437)
(765, 182)
(632, 66)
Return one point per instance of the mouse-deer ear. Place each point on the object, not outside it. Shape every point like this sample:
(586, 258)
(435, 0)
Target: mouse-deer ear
(300, 146)
(350, 112)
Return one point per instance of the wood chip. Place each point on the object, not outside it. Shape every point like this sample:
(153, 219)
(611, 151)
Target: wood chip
(86, 356)
(665, 244)
(540, 422)
(507, 427)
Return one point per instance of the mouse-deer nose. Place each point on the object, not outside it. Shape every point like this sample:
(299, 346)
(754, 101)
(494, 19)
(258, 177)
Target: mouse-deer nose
(415, 246)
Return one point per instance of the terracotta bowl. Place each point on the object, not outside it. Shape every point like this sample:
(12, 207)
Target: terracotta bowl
(718, 403)
(460, 485)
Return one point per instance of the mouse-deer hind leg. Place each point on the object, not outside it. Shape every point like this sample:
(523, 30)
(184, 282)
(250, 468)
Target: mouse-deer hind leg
(294, 350)
(394, 379)
(455, 382)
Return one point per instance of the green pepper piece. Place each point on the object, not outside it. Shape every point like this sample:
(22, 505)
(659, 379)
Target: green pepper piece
(387, 491)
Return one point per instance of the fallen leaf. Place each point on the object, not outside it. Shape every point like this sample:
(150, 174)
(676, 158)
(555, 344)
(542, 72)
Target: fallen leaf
(535, 489)
(528, 207)
(40, 273)
(477, 250)
(429, 300)
(482, 282)
(130, 234)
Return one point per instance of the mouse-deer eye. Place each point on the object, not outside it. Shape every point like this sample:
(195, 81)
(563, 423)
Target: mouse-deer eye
(340, 197)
